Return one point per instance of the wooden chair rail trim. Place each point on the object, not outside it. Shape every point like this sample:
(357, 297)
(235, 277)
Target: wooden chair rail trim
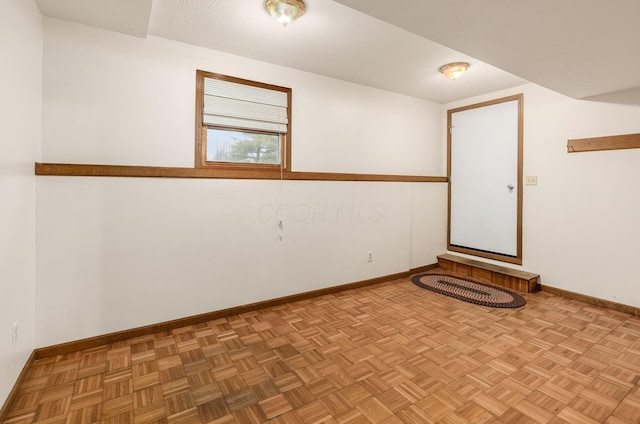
(88, 343)
(613, 142)
(88, 170)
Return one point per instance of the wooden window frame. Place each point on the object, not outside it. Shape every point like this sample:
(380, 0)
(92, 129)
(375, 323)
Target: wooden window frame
(251, 169)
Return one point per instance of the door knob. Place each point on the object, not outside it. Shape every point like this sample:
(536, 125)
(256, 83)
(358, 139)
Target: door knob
(510, 188)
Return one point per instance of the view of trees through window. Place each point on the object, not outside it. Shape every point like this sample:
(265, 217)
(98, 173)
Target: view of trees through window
(242, 147)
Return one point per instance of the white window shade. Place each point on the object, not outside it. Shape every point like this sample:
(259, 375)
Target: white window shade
(228, 104)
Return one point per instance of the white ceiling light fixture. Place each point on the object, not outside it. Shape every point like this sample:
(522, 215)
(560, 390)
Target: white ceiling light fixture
(454, 70)
(285, 11)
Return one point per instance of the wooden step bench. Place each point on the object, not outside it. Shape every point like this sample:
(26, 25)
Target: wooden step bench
(499, 275)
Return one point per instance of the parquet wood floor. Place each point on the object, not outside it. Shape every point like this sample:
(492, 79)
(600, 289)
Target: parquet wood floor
(390, 353)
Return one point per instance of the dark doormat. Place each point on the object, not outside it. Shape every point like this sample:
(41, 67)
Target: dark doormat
(469, 290)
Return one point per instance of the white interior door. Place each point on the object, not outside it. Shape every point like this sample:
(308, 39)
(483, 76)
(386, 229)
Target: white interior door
(484, 175)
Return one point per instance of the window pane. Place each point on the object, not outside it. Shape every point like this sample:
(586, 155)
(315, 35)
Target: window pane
(242, 147)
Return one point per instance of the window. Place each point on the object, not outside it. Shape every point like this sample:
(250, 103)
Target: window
(242, 124)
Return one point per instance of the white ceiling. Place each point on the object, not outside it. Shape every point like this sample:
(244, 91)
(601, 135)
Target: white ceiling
(563, 45)
(127, 16)
(580, 48)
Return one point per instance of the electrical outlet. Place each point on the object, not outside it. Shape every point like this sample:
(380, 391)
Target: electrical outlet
(14, 333)
(370, 257)
(532, 180)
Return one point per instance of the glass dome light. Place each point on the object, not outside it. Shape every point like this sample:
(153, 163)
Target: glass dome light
(454, 70)
(285, 11)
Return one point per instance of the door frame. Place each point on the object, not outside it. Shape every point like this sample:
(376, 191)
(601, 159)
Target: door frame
(476, 252)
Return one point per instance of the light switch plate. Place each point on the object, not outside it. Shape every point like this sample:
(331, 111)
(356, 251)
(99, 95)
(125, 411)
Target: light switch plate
(532, 180)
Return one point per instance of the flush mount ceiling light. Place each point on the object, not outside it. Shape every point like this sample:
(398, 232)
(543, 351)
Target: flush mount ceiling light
(285, 11)
(454, 70)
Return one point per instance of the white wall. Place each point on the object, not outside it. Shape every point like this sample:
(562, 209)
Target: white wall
(110, 98)
(20, 108)
(116, 253)
(581, 222)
